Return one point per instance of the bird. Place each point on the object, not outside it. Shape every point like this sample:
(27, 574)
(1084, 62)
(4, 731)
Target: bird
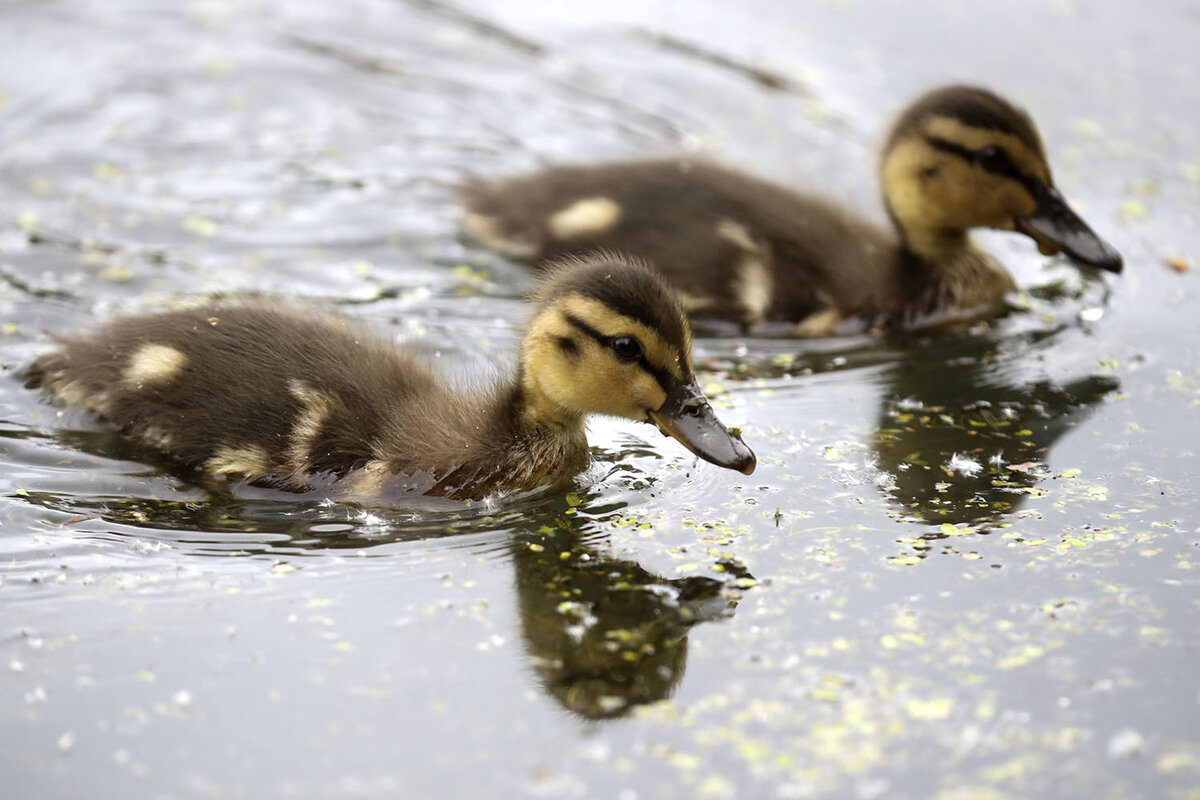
(261, 391)
(742, 250)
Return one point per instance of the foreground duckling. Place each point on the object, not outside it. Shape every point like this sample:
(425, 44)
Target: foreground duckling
(743, 250)
(254, 391)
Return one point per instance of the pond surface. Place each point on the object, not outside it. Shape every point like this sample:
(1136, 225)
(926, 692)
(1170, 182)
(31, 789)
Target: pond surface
(967, 566)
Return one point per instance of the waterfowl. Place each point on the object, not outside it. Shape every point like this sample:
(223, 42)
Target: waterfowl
(253, 390)
(741, 249)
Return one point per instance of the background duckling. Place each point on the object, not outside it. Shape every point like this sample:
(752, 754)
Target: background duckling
(740, 249)
(254, 391)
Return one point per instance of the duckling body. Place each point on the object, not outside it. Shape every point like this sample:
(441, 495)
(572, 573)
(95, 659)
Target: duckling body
(255, 391)
(742, 249)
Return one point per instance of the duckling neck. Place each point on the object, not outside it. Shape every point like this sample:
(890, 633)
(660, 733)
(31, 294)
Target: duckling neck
(509, 447)
(547, 443)
(950, 279)
(535, 412)
(934, 246)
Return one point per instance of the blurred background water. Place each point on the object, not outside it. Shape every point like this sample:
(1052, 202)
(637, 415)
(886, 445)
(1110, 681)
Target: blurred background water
(966, 567)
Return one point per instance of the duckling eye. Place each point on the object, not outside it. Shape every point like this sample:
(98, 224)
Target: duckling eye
(993, 159)
(626, 348)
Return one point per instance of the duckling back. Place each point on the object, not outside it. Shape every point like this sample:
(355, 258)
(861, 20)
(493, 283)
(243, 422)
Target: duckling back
(248, 389)
(735, 247)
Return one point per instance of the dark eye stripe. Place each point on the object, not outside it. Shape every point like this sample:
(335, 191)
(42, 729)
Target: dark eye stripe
(568, 346)
(1003, 167)
(664, 377)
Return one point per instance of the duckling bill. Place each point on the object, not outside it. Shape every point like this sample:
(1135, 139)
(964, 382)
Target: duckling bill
(255, 391)
(744, 250)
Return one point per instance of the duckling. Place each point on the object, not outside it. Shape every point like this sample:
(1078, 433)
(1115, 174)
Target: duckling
(740, 249)
(251, 390)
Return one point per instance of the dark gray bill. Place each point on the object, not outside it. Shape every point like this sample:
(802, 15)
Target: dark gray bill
(687, 416)
(1054, 226)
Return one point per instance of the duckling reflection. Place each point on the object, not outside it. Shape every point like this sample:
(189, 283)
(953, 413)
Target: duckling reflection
(964, 445)
(604, 634)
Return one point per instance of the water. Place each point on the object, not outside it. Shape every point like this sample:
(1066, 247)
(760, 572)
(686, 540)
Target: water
(966, 566)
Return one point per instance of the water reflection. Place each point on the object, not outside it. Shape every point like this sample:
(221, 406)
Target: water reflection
(967, 417)
(966, 436)
(102, 475)
(604, 634)
(274, 522)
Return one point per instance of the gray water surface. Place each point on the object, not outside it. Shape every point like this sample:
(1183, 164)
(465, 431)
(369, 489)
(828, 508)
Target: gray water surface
(967, 566)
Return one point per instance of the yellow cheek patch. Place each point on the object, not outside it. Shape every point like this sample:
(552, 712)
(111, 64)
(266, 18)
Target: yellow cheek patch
(246, 461)
(585, 217)
(596, 387)
(1027, 161)
(659, 353)
(153, 363)
(903, 164)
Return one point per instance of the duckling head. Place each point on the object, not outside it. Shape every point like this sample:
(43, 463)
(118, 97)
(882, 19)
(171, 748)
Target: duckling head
(609, 337)
(961, 157)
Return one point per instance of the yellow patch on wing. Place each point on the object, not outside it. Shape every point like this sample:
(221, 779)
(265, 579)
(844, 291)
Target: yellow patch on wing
(737, 234)
(753, 282)
(585, 217)
(76, 393)
(817, 324)
(156, 436)
(693, 303)
(250, 461)
(488, 232)
(153, 363)
(366, 484)
(314, 408)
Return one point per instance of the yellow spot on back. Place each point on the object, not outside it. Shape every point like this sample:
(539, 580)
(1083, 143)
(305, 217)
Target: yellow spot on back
(153, 363)
(486, 230)
(819, 323)
(736, 232)
(366, 484)
(156, 436)
(753, 282)
(693, 303)
(251, 461)
(314, 408)
(585, 217)
(76, 393)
